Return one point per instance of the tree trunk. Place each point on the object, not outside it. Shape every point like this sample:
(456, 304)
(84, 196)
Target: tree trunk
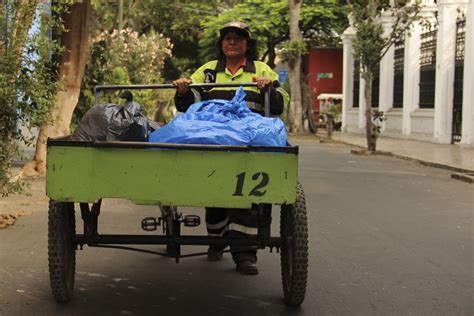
(71, 71)
(307, 105)
(271, 57)
(295, 116)
(369, 125)
(329, 125)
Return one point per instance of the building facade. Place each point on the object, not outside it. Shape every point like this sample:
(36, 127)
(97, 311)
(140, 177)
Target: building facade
(424, 84)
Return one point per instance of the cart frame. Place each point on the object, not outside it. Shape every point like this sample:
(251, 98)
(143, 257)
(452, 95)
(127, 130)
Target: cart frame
(273, 171)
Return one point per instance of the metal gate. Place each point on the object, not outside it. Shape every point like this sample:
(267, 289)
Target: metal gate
(356, 84)
(376, 86)
(458, 79)
(428, 68)
(398, 67)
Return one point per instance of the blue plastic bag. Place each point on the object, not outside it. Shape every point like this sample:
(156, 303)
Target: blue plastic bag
(222, 122)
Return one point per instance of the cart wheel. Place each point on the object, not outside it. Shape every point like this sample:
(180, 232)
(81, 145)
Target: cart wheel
(294, 249)
(61, 249)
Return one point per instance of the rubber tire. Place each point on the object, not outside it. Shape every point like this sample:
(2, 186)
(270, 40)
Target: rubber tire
(61, 250)
(294, 249)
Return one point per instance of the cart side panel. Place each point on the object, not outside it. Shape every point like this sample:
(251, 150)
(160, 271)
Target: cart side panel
(171, 177)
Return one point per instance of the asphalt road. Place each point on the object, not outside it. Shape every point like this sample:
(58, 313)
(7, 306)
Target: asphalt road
(387, 237)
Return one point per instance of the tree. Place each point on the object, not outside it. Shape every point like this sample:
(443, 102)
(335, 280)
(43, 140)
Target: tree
(15, 24)
(181, 21)
(134, 54)
(74, 39)
(25, 79)
(295, 48)
(194, 24)
(125, 57)
(320, 22)
(371, 45)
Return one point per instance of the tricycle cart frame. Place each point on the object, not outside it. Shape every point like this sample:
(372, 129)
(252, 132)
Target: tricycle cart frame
(171, 175)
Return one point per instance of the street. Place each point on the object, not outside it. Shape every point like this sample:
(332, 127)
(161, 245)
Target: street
(386, 236)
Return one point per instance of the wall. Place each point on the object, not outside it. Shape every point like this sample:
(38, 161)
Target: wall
(325, 63)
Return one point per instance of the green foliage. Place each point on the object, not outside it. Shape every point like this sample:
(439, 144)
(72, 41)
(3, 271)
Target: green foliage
(377, 118)
(142, 56)
(320, 21)
(180, 20)
(123, 57)
(27, 80)
(371, 44)
(291, 50)
(193, 25)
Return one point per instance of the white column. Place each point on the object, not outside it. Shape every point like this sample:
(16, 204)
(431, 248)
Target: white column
(445, 61)
(386, 70)
(467, 134)
(411, 68)
(347, 74)
(411, 76)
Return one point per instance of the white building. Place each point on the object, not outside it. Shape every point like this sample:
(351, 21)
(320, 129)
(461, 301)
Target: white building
(425, 85)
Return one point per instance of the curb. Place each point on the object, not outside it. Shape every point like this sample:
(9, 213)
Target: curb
(465, 177)
(460, 171)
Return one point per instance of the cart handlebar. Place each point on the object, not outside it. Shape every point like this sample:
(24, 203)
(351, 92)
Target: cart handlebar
(170, 86)
(101, 88)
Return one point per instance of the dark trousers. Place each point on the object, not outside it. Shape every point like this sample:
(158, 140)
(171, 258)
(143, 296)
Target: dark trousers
(233, 223)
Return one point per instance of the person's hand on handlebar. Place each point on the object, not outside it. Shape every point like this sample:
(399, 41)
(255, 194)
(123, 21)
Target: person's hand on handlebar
(182, 85)
(262, 82)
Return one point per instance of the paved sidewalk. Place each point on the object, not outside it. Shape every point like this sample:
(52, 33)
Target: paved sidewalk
(447, 156)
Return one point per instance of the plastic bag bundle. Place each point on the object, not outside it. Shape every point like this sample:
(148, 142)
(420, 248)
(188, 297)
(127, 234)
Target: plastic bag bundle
(222, 122)
(111, 122)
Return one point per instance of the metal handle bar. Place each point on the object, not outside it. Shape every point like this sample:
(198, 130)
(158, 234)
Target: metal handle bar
(99, 89)
(170, 86)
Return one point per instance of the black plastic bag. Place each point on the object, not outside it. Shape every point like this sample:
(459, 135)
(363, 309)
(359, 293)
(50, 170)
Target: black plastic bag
(112, 122)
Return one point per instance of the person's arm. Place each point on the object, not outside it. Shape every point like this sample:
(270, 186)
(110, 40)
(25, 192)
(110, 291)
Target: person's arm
(185, 96)
(278, 96)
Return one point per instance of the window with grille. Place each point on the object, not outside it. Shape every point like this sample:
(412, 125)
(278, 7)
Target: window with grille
(458, 79)
(459, 65)
(428, 69)
(356, 84)
(398, 65)
(376, 86)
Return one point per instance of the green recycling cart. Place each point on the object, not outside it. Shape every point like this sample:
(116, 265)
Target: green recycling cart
(171, 175)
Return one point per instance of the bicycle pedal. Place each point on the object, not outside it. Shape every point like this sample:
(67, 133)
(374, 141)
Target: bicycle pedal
(191, 220)
(150, 224)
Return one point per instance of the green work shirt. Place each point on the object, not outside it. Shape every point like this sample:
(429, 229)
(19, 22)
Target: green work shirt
(216, 72)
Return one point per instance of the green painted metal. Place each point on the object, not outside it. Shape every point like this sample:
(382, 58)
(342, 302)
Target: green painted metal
(171, 177)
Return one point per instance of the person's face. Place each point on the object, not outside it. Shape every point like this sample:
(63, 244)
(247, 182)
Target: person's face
(234, 45)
